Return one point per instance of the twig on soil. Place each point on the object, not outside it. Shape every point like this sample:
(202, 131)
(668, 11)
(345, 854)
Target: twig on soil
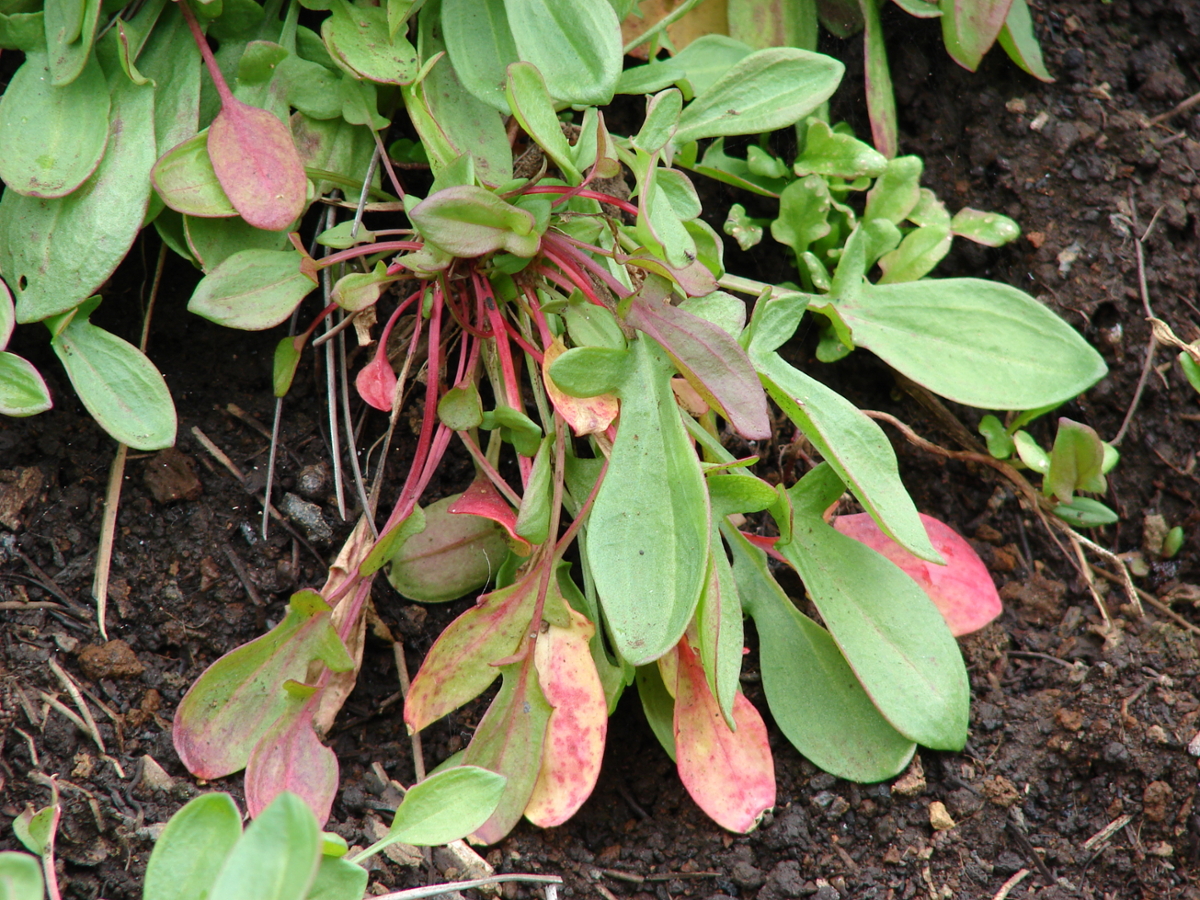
(1006, 888)
(73, 689)
(1125, 580)
(32, 604)
(605, 892)
(45, 580)
(1033, 654)
(1175, 111)
(402, 671)
(1104, 835)
(1152, 600)
(218, 454)
(450, 887)
(1148, 365)
(33, 754)
(243, 575)
(79, 723)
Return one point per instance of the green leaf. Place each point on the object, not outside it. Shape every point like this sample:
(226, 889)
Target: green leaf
(445, 807)
(54, 136)
(989, 229)
(814, 696)
(803, 213)
(719, 629)
(37, 830)
(743, 228)
(277, 856)
(1191, 370)
(253, 289)
(767, 90)
(184, 178)
(120, 387)
(647, 533)
(852, 444)
(970, 27)
(916, 256)
(1030, 453)
(881, 99)
(358, 290)
(999, 441)
(658, 705)
(1019, 41)
(460, 408)
(481, 46)
(773, 23)
(976, 342)
(897, 191)
(662, 116)
(701, 63)
(1076, 462)
(590, 371)
(212, 241)
(287, 358)
(716, 163)
(889, 631)
(527, 93)
(338, 879)
(172, 61)
(1084, 512)
(57, 252)
(23, 31)
(929, 210)
(23, 391)
(833, 154)
(192, 849)
(508, 740)
(20, 877)
(240, 696)
(533, 517)
(471, 221)
(70, 32)
(359, 40)
(576, 46)
(390, 542)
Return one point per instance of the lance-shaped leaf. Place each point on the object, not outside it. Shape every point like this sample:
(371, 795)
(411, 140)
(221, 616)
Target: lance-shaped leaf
(916, 256)
(185, 179)
(509, 741)
(360, 41)
(54, 136)
(894, 638)
(658, 704)
(258, 165)
(710, 359)
(987, 228)
(116, 381)
(469, 221)
(525, 91)
(962, 589)
(854, 445)
(192, 848)
(767, 90)
(290, 757)
(576, 46)
(239, 697)
(277, 856)
(719, 635)
(574, 744)
(816, 700)
(970, 27)
(977, 342)
(450, 557)
(460, 664)
(881, 99)
(252, 290)
(481, 46)
(1020, 42)
(445, 807)
(647, 533)
(730, 774)
(585, 415)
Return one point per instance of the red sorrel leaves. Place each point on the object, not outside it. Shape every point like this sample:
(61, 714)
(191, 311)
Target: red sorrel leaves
(257, 164)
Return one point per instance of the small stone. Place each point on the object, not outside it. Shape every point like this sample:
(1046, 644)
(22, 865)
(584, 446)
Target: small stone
(1160, 848)
(747, 876)
(308, 516)
(469, 864)
(115, 659)
(400, 853)
(1157, 734)
(1000, 791)
(17, 488)
(313, 481)
(939, 816)
(171, 475)
(912, 782)
(1155, 800)
(154, 776)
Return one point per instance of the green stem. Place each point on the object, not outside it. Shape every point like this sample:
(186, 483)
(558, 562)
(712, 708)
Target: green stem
(665, 22)
(750, 286)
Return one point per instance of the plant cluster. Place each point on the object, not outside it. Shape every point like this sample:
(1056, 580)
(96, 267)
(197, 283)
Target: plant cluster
(570, 317)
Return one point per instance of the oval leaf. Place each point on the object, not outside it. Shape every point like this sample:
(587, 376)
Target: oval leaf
(23, 391)
(576, 46)
(252, 290)
(192, 848)
(185, 179)
(290, 757)
(470, 221)
(585, 415)
(258, 166)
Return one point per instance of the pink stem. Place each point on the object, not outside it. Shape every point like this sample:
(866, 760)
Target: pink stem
(210, 61)
(367, 250)
(623, 205)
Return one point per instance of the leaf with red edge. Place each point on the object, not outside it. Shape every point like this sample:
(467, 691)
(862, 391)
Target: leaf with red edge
(962, 590)
(258, 165)
(730, 774)
(509, 741)
(376, 382)
(709, 358)
(585, 415)
(574, 743)
(290, 757)
(460, 664)
(483, 499)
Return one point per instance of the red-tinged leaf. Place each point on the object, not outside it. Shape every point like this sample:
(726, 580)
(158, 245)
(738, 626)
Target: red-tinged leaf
(962, 589)
(977, 24)
(585, 415)
(482, 499)
(574, 745)
(459, 666)
(290, 757)
(376, 383)
(240, 696)
(509, 741)
(695, 278)
(258, 166)
(711, 360)
(730, 774)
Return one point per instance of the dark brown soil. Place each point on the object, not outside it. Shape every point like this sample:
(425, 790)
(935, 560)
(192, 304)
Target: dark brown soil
(1077, 771)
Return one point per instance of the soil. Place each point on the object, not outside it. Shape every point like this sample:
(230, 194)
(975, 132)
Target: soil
(1077, 776)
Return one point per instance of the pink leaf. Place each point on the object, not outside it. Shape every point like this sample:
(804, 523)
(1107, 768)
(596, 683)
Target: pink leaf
(730, 774)
(482, 499)
(258, 165)
(376, 383)
(290, 757)
(962, 589)
(574, 743)
(585, 415)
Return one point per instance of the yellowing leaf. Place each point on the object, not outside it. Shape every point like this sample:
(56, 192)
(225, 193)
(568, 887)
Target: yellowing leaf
(730, 774)
(574, 744)
(585, 415)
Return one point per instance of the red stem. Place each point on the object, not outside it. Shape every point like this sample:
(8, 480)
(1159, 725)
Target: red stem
(623, 205)
(210, 61)
(366, 250)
